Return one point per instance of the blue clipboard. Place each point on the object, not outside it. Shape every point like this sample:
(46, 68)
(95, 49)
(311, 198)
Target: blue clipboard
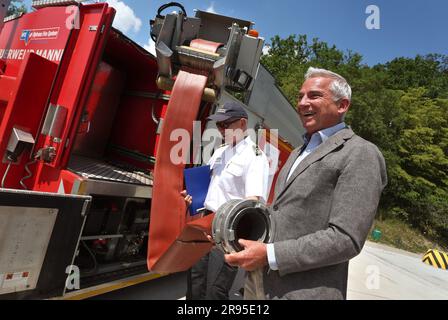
(197, 181)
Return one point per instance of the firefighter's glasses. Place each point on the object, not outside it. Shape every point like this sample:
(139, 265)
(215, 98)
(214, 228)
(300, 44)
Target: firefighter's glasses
(225, 124)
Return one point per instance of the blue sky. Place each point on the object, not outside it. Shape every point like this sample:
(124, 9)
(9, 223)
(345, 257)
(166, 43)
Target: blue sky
(407, 27)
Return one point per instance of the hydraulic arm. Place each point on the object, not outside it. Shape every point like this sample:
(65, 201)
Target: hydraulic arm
(198, 57)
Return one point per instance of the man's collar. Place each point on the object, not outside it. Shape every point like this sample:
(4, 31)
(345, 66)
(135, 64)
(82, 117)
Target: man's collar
(324, 134)
(240, 146)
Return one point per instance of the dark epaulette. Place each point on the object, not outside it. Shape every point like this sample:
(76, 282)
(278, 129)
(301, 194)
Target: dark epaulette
(257, 150)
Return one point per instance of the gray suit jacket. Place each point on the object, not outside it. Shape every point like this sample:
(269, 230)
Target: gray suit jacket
(323, 215)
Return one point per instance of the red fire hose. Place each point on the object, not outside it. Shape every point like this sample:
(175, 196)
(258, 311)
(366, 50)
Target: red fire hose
(175, 244)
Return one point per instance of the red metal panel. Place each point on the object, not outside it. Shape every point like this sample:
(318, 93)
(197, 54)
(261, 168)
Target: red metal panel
(134, 128)
(75, 81)
(25, 108)
(55, 180)
(99, 112)
(2, 66)
(43, 32)
(7, 87)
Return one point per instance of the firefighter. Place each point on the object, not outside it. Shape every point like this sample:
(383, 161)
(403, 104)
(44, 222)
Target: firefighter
(239, 171)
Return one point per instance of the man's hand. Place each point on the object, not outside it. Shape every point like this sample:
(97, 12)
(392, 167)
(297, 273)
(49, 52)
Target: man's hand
(254, 255)
(209, 238)
(188, 199)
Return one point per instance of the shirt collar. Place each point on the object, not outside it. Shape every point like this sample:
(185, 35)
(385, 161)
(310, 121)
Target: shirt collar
(324, 134)
(240, 146)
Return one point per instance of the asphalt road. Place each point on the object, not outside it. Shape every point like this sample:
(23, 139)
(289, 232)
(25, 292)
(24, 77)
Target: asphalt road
(379, 272)
(384, 273)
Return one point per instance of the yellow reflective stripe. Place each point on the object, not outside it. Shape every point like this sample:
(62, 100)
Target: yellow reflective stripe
(436, 258)
(432, 260)
(426, 256)
(102, 289)
(445, 255)
(426, 260)
(441, 261)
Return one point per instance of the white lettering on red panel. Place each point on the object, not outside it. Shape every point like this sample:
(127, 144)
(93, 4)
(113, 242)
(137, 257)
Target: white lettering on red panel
(19, 54)
(39, 34)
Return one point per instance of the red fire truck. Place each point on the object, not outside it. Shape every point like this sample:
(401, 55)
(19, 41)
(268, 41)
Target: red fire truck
(82, 107)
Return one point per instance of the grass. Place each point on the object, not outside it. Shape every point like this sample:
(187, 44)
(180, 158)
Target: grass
(398, 234)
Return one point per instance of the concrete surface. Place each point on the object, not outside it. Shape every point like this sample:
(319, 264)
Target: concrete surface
(378, 273)
(382, 272)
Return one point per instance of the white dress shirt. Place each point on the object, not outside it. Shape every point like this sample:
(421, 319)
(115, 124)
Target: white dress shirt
(316, 140)
(237, 173)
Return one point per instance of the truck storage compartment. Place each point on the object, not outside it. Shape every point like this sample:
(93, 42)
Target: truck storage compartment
(114, 239)
(113, 153)
(116, 135)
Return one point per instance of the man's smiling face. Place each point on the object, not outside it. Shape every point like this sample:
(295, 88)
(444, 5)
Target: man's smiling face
(316, 105)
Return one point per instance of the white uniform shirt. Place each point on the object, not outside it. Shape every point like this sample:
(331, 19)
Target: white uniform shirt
(237, 173)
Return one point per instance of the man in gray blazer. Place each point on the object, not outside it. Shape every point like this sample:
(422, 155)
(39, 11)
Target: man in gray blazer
(326, 197)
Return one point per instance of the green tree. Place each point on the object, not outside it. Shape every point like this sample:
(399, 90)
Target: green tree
(428, 71)
(424, 158)
(402, 107)
(16, 7)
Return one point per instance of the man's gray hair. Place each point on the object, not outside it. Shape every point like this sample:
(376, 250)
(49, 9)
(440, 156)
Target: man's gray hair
(339, 86)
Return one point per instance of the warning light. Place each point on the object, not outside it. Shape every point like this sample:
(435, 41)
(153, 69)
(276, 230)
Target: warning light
(9, 276)
(254, 33)
(25, 274)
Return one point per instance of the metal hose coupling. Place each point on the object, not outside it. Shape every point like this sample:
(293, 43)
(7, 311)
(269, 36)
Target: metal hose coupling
(242, 219)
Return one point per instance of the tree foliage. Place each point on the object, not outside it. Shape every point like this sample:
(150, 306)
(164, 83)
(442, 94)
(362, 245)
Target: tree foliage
(16, 7)
(402, 107)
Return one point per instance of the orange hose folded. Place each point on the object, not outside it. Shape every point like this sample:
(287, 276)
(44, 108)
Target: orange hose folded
(174, 243)
(167, 253)
(205, 45)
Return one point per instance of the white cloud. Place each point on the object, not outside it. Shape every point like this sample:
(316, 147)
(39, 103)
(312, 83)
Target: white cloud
(211, 8)
(150, 46)
(125, 18)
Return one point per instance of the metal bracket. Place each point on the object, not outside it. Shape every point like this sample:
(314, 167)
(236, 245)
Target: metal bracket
(46, 154)
(164, 54)
(153, 115)
(54, 121)
(160, 126)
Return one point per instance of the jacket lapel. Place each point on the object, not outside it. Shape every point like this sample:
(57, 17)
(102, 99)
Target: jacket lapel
(321, 151)
(281, 180)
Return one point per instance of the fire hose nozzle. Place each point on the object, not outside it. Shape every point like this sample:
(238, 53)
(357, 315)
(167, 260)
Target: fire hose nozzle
(242, 219)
